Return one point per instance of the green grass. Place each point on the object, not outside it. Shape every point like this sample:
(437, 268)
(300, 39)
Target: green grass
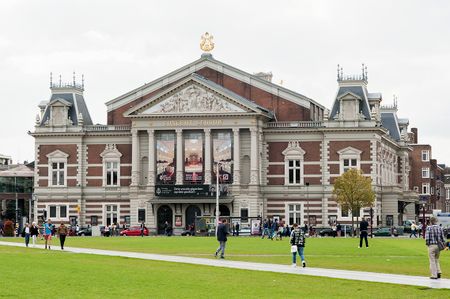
(386, 255)
(34, 273)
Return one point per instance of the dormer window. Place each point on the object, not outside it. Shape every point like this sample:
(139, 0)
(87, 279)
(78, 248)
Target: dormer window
(293, 164)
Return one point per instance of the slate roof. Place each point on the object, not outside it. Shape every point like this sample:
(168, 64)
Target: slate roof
(389, 121)
(78, 105)
(361, 92)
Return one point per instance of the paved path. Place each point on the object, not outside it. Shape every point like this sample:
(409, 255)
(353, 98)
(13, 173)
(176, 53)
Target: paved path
(332, 273)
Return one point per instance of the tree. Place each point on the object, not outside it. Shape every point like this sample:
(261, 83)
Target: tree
(353, 191)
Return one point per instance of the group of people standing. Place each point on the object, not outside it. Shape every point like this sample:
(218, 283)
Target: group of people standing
(33, 231)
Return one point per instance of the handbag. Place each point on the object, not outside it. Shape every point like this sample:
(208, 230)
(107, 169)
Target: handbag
(294, 248)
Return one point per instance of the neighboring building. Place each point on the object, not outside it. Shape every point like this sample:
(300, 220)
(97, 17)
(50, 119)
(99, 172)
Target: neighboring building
(5, 162)
(447, 188)
(279, 151)
(16, 188)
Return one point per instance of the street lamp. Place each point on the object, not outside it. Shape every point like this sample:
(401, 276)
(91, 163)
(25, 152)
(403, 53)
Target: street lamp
(217, 196)
(424, 226)
(371, 222)
(307, 202)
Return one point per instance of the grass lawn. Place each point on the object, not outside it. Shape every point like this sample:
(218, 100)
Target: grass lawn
(34, 273)
(387, 255)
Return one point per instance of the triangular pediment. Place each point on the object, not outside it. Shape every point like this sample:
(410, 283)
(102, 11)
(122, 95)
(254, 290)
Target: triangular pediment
(58, 154)
(196, 95)
(59, 102)
(349, 151)
(349, 96)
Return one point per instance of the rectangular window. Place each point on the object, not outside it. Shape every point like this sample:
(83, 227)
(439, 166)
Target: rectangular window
(58, 174)
(111, 214)
(389, 220)
(94, 220)
(112, 170)
(294, 214)
(244, 215)
(447, 193)
(141, 215)
(62, 211)
(52, 211)
(425, 172)
(425, 155)
(294, 172)
(349, 163)
(432, 190)
(344, 213)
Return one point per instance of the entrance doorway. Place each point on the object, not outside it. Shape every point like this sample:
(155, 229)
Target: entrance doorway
(191, 212)
(164, 214)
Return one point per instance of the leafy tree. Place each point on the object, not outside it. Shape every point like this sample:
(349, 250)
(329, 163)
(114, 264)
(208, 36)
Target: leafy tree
(353, 191)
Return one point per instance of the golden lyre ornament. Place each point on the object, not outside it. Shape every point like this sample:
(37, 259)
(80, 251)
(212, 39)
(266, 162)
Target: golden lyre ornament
(206, 44)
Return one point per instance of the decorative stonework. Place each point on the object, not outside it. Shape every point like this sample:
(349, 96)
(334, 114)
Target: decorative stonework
(110, 151)
(193, 99)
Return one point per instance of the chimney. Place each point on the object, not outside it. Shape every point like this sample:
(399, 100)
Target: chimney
(415, 139)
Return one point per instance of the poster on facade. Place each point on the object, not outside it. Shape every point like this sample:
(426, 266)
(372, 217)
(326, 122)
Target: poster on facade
(165, 158)
(222, 152)
(193, 157)
(256, 226)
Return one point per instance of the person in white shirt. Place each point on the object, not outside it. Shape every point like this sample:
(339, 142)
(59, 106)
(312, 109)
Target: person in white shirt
(26, 232)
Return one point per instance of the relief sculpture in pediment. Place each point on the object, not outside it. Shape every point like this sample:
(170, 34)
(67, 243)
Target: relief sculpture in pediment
(194, 100)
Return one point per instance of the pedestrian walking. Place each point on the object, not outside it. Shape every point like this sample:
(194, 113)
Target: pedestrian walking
(62, 232)
(413, 230)
(48, 230)
(142, 228)
(434, 239)
(338, 229)
(274, 229)
(280, 232)
(297, 242)
(265, 231)
(26, 233)
(238, 227)
(222, 232)
(363, 226)
(34, 233)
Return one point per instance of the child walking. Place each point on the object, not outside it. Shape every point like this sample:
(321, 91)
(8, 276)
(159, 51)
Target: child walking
(298, 241)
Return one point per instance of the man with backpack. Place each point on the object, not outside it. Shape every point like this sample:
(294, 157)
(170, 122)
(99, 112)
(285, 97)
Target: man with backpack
(297, 245)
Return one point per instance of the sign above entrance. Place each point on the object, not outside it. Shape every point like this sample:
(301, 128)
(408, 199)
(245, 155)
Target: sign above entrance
(189, 190)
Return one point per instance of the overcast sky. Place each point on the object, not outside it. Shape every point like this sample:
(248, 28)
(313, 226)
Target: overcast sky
(120, 45)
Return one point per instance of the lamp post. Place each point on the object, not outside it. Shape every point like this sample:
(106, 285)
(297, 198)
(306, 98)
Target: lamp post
(371, 222)
(17, 199)
(424, 225)
(307, 202)
(217, 196)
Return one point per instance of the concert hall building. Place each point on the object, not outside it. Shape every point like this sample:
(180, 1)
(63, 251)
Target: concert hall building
(278, 152)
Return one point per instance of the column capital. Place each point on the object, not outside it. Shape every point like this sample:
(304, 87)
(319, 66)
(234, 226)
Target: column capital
(150, 131)
(236, 130)
(179, 131)
(253, 130)
(207, 130)
(134, 132)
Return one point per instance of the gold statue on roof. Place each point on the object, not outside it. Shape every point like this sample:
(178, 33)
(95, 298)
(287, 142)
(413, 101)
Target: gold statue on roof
(206, 43)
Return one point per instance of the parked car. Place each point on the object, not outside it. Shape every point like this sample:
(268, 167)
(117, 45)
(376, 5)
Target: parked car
(326, 232)
(407, 225)
(85, 231)
(134, 231)
(188, 232)
(382, 231)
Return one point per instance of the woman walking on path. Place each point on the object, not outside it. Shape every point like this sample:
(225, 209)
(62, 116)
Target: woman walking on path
(62, 233)
(26, 232)
(34, 232)
(297, 245)
(48, 230)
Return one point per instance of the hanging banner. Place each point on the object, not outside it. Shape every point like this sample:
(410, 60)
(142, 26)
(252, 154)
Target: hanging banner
(189, 190)
(165, 158)
(222, 153)
(193, 157)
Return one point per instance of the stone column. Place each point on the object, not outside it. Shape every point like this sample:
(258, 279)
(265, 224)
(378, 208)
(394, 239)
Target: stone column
(254, 156)
(180, 161)
(207, 156)
(151, 157)
(236, 157)
(135, 158)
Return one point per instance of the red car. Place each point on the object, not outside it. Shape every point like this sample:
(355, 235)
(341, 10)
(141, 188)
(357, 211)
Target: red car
(134, 231)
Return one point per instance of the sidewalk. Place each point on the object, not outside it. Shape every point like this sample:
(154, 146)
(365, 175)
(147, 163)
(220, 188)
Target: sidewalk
(331, 273)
